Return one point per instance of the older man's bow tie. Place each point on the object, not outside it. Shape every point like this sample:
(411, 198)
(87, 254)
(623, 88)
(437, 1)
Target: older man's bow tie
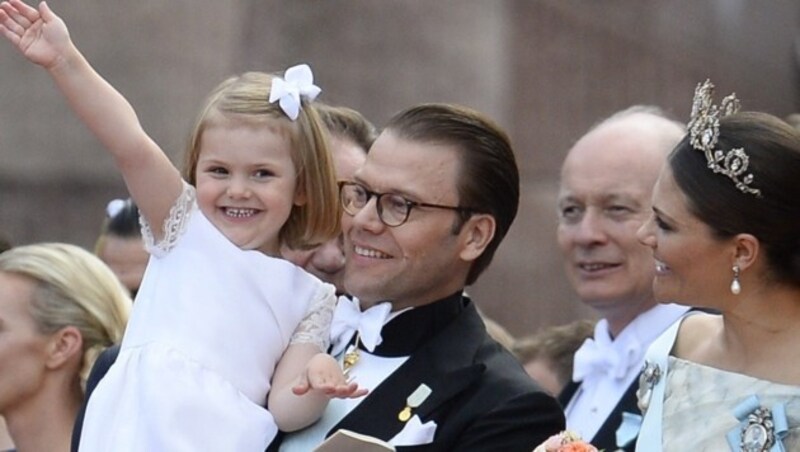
(602, 358)
(348, 319)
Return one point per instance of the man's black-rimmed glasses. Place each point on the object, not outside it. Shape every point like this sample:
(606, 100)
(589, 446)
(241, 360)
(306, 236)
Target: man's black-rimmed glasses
(393, 209)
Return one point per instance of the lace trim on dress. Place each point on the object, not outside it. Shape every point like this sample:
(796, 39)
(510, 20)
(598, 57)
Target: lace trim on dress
(315, 328)
(174, 224)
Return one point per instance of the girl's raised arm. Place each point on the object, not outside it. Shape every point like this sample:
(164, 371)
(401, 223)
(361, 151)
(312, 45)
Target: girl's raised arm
(43, 38)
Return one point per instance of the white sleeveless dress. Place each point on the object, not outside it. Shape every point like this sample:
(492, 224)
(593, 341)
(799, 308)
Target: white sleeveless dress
(209, 324)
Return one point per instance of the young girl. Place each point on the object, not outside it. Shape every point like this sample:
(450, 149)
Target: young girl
(216, 313)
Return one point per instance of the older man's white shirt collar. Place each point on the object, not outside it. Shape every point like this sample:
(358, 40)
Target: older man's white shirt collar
(605, 380)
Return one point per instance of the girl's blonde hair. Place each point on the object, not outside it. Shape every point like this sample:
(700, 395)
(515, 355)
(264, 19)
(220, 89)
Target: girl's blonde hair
(246, 98)
(72, 288)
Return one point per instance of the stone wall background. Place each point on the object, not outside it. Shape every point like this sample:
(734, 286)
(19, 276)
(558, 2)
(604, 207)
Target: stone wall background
(545, 69)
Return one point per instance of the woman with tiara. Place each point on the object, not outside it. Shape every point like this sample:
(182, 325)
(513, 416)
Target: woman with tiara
(725, 232)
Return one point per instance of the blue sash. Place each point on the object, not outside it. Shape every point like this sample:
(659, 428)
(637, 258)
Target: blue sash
(650, 439)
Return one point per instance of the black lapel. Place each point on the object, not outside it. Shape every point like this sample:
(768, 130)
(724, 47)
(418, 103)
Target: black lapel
(606, 437)
(444, 364)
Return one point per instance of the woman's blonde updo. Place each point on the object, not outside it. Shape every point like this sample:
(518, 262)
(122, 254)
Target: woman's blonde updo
(72, 288)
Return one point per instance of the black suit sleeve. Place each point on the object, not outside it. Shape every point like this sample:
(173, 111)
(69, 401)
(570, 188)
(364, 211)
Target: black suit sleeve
(99, 370)
(520, 424)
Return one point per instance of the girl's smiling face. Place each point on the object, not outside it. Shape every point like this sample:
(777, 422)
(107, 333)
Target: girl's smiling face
(247, 182)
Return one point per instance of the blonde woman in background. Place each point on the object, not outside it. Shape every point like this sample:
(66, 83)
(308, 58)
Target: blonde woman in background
(60, 306)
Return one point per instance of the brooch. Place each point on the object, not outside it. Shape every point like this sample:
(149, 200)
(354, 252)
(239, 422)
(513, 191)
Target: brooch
(760, 429)
(648, 379)
(759, 434)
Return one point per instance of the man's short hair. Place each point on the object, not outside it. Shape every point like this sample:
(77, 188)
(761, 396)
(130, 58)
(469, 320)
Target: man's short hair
(488, 177)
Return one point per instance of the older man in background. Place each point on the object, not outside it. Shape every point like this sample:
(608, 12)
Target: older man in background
(604, 197)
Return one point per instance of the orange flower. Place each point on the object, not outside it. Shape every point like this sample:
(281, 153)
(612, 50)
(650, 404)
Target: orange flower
(565, 441)
(577, 446)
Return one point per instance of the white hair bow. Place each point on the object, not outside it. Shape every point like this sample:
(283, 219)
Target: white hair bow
(298, 82)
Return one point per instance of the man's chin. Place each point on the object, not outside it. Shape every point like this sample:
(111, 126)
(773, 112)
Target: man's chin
(601, 300)
(364, 293)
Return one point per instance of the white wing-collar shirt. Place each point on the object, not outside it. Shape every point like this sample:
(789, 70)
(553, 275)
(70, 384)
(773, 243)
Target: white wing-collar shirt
(606, 367)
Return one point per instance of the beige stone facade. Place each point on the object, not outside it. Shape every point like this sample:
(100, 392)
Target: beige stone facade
(545, 69)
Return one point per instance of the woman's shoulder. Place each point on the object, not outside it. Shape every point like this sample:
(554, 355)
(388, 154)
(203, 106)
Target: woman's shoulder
(695, 329)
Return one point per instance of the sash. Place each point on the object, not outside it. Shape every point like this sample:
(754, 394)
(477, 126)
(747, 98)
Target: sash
(650, 435)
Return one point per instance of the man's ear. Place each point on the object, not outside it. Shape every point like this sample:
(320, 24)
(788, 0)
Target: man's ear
(64, 344)
(477, 233)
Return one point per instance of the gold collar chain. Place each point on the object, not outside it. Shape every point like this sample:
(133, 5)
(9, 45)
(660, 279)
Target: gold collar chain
(352, 356)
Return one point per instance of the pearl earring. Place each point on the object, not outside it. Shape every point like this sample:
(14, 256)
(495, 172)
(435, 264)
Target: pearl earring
(736, 287)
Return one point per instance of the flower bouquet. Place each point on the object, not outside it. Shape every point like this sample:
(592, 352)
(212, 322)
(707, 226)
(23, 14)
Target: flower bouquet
(565, 441)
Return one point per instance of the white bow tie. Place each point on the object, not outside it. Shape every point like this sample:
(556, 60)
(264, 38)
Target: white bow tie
(348, 319)
(600, 357)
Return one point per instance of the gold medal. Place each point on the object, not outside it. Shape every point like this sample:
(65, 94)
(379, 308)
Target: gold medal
(414, 401)
(405, 415)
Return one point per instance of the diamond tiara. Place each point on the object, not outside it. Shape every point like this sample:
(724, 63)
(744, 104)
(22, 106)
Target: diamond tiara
(704, 134)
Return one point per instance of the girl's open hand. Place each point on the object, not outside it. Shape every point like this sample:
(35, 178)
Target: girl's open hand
(324, 374)
(39, 34)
